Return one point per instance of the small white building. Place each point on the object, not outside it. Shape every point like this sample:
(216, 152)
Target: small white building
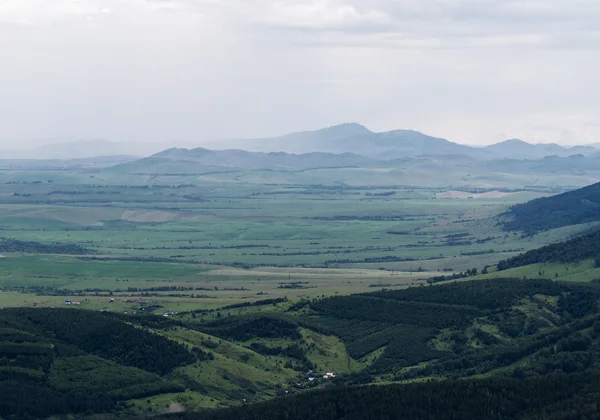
(328, 375)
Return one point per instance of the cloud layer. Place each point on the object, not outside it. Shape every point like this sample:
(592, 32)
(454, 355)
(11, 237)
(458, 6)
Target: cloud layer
(475, 71)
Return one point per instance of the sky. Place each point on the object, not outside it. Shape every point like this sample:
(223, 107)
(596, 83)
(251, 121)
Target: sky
(471, 71)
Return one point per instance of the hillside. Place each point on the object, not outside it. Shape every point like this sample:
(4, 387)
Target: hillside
(54, 359)
(551, 397)
(537, 341)
(570, 208)
(457, 330)
(572, 251)
(66, 361)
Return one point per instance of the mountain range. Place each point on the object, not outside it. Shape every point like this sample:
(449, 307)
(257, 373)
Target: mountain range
(344, 138)
(355, 138)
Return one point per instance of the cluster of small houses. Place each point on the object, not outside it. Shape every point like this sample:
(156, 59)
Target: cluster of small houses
(328, 375)
(312, 378)
(72, 302)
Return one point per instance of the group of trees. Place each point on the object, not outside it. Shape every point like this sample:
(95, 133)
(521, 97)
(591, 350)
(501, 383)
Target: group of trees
(570, 208)
(244, 328)
(32, 247)
(462, 275)
(106, 336)
(549, 351)
(59, 362)
(483, 294)
(403, 326)
(558, 396)
(571, 251)
(406, 321)
(293, 351)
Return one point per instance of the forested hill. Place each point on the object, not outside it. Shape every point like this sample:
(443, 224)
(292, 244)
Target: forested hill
(570, 208)
(61, 361)
(555, 397)
(574, 250)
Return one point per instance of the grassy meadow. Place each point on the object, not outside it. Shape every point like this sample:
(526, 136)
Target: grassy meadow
(187, 242)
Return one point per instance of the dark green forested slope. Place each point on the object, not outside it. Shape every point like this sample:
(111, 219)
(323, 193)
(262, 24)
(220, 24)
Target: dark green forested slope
(479, 326)
(570, 208)
(537, 341)
(61, 361)
(555, 397)
(574, 250)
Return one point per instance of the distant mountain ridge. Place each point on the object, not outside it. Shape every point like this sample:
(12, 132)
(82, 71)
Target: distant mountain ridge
(338, 139)
(199, 160)
(356, 138)
(515, 148)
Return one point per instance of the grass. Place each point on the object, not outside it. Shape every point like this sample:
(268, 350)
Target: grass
(172, 403)
(290, 244)
(330, 353)
(16, 265)
(236, 373)
(584, 271)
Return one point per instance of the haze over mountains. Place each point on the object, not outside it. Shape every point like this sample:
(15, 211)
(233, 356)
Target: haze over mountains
(344, 138)
(88, 149)
(355, 138)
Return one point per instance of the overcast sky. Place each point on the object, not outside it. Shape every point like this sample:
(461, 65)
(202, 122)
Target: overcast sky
(472, 71)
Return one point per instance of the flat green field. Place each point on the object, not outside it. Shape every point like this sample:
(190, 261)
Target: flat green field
(200, 242)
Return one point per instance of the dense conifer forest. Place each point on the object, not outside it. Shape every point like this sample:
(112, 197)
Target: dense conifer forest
(536, 342)
(571, 251)
(60, 361)
(570, 208)
(556, 397)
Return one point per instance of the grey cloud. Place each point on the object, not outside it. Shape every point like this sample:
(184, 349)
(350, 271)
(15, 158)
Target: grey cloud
(436, 23)
(154, 70)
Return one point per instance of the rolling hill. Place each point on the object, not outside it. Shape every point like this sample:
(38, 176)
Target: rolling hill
(570, 208)
(557, 397)
(571, 251)
(59, 361)
(537, 339)
(532, 344)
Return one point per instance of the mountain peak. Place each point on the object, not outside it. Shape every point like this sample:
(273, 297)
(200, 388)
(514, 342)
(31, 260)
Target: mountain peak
(345, 130)
(513, 142)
